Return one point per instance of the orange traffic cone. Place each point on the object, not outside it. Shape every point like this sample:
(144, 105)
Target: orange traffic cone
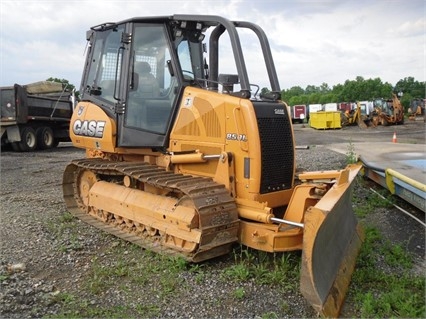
(394, 137)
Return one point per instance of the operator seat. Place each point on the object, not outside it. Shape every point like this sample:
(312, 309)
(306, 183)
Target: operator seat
(147, 89)
(147, 84)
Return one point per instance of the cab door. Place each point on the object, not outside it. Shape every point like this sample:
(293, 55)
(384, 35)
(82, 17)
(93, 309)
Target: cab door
(152, 90)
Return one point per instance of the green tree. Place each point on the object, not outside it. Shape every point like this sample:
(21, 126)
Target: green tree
(328, 98)
(324, 88)
(310, 89)
(410, 86)
(337, 90)
(314, 98)
(386, 89)
(373, 89)
(264, 91)
(299, 99)
(359, 89)
(286, 95)
(406, 100)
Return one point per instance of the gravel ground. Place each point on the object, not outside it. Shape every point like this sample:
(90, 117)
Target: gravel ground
(40, 259)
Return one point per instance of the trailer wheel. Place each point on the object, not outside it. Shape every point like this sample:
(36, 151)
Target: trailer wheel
(28, 139)
(45, 138)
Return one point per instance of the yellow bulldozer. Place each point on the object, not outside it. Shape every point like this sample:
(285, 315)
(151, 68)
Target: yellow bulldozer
(185, 158)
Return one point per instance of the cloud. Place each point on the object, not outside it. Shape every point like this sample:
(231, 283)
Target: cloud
(312, 41)
(410, 29)
(353, 38)
(40, 39)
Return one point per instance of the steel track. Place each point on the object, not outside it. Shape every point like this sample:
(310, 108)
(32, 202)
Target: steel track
(218, 215)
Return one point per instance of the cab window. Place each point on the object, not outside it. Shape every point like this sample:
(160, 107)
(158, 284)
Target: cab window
(152, 94)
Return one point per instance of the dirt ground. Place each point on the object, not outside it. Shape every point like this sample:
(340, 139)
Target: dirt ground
(56, 259)
(411, 132)
(392, 222)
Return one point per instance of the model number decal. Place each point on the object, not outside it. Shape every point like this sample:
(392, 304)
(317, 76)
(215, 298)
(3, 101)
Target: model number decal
(236, 137)
(89, 128)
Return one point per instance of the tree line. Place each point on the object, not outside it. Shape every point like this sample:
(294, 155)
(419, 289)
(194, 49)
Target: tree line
(359, 89)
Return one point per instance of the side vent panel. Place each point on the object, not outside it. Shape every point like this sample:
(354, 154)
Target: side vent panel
(277, 146)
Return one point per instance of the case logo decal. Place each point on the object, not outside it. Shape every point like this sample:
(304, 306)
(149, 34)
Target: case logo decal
(89, 128)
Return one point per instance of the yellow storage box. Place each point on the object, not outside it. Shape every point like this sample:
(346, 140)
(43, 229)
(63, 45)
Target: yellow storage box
(325, 120)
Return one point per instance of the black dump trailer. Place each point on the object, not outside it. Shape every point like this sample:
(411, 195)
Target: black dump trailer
(35, 116)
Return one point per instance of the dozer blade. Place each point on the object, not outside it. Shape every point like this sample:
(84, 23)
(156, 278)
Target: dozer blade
(331, 243)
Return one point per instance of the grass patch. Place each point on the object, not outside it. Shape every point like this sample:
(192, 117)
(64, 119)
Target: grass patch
(270, 315)
(147, 268)
(281, 269)
(75, 307)
(383, 284)
(239, 293)
(3, 277)
(65, 227)
(364, 205)
(111, 273)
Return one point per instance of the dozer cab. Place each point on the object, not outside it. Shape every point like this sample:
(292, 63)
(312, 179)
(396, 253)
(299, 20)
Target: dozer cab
(184, 157)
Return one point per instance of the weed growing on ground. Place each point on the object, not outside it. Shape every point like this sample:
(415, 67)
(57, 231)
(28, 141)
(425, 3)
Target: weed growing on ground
(239, 293)
(351, 156)
(270, 315)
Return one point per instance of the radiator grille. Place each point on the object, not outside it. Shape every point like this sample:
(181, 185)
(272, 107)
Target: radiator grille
(276, 146)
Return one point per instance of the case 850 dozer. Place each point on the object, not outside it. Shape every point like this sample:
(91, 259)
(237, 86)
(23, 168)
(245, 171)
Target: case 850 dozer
(185, 160)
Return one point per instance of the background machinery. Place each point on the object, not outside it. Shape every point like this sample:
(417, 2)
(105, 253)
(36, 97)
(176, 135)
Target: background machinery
(417, 109)
(357, 116)
(387, 111)
(183, 157)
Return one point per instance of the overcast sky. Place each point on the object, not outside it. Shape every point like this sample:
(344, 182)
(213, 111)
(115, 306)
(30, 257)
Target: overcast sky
(313, 42)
